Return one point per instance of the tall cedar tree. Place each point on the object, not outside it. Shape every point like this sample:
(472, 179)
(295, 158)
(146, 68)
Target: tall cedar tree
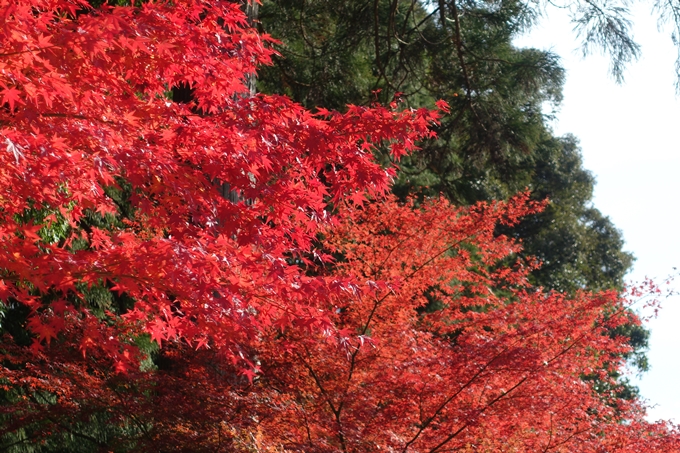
(496, 140)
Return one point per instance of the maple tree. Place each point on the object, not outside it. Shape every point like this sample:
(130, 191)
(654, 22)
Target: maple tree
(86, 114)
(113, 229)
(446, 347)
(143, 311)
(438, 345)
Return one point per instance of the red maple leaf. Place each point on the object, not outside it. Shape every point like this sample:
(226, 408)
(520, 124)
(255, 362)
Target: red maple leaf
(11, 96)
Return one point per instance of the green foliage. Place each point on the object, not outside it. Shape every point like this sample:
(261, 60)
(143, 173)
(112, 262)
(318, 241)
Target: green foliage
(493, 144)
(578, 246)
(496, 141)
(328, 52)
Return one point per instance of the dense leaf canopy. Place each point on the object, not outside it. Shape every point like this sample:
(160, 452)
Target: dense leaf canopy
(142, 310)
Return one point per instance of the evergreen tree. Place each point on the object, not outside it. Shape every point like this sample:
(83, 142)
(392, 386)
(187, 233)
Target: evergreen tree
(496, 141)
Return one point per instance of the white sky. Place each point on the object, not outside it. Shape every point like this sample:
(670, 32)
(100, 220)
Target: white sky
(629, 135)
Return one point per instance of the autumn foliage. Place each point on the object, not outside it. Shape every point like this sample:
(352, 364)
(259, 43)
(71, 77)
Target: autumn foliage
(143, 311)
(86, 112)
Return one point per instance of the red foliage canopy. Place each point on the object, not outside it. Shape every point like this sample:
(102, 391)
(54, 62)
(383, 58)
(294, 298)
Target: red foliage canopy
(86, 108)
(422, 335)
(446, 347)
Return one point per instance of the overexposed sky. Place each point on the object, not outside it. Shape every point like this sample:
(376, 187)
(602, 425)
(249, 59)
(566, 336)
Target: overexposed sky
(630, 139)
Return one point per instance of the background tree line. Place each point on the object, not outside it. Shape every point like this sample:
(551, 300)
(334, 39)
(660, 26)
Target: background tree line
(496, 141)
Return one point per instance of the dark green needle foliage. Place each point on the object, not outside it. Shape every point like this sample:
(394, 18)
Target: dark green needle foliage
(496, 141)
